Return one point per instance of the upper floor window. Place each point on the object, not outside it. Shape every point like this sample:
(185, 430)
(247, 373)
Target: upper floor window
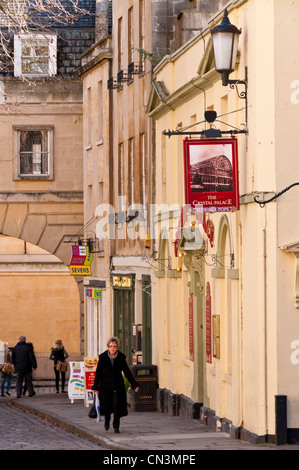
(35, 55)
(35, 152)
(130, 35)
(120, 44)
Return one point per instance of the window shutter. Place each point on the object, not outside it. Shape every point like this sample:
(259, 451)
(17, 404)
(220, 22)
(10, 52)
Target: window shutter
(17, 56)
(53, 56)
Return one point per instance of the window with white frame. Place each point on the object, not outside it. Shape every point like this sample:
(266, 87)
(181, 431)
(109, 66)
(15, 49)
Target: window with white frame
(142, 167)
(131, 172)
(35, 152)
(121, 177)
(35, 55)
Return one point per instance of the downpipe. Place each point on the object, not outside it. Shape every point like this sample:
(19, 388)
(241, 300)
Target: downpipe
(265, 322)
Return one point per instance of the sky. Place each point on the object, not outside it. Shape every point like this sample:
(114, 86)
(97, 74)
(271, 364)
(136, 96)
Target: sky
(202, 152)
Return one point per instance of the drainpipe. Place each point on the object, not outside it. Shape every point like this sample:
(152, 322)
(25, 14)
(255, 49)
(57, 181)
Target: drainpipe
(241, 410)
(265, 322)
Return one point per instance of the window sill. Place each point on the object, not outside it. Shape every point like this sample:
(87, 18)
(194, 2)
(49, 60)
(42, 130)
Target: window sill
(35, 76)
(33, 177)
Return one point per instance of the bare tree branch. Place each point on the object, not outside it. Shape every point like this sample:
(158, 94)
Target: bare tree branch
(27, 15)
(25, 18)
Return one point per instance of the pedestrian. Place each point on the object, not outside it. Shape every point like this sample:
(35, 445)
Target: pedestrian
(109, 382)
(24, 360)
(4, 375)
(59, 353)
(30, 345)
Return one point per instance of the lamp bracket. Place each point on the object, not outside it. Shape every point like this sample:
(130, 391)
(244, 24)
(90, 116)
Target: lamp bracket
(262, 204)
(234, 84)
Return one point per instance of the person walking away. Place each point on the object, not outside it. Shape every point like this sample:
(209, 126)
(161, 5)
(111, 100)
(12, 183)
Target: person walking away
(4, 375)
(109, 383)
(59, 353)
(24, 361)
(30, 345)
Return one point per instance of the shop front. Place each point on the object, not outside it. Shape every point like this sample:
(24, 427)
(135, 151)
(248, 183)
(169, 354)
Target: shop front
(95, 296)
(124, 311)
(132, 314)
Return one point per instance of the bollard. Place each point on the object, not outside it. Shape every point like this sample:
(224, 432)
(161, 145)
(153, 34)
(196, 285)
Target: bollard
(281, 420)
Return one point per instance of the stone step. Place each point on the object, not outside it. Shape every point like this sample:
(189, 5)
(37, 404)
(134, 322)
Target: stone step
(42, 386)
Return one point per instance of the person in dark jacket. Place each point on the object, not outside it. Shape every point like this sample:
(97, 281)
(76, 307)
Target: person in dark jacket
(30, 345)
(110, 384)
(24, 361)
(59, 353)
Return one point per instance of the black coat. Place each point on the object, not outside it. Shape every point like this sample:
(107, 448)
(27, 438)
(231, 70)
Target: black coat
(109, 379)
(58, 354)
(23, 357)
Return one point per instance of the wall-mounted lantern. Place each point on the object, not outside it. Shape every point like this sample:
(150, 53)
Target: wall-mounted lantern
(225, 37)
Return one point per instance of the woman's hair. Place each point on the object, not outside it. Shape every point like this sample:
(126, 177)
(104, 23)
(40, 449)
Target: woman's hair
(113, 339)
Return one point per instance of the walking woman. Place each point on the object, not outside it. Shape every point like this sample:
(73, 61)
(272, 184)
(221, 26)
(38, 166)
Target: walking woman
(110, 384)
(59, 353)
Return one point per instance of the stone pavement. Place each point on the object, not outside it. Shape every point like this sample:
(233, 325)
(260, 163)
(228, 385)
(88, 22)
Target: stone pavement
(138, 431)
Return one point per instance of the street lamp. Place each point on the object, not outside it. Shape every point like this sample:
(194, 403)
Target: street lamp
(225, 37)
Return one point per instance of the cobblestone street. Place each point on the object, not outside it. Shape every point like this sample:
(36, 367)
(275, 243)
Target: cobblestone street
(20, 430)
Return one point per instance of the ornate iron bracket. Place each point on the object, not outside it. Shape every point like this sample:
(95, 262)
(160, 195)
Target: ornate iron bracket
(210, 118)
(234, 84)
(207, 133)
(262, 204)
(243, 94)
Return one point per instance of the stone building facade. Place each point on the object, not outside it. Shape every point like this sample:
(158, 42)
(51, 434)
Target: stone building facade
(120, 165)
(41, 197)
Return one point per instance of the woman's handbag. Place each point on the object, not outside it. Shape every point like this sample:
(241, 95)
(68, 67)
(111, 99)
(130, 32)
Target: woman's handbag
(92, 413)
(8, 368)
(62, 366)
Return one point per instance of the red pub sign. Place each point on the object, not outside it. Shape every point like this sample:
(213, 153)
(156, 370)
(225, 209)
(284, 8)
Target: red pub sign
(211, 174)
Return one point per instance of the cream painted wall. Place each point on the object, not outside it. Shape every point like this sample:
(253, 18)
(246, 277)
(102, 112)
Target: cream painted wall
(260, 304)
(286, 157)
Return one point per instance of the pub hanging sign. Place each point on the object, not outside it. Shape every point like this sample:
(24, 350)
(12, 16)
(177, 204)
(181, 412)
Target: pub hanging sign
(81, 261)
(211, 174)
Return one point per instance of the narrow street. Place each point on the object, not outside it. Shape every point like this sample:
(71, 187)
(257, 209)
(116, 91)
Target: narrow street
(21, 430)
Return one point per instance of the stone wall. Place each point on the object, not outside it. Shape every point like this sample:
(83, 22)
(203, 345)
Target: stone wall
(177, 21)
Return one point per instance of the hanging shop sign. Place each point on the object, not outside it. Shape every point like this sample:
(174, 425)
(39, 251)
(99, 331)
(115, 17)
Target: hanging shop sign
(93, 293)
(80, 270)
(211, 174)
(81, 261)
(122, 281)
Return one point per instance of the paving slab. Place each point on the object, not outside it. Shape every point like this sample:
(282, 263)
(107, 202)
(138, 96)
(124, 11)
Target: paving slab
(140, 430)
